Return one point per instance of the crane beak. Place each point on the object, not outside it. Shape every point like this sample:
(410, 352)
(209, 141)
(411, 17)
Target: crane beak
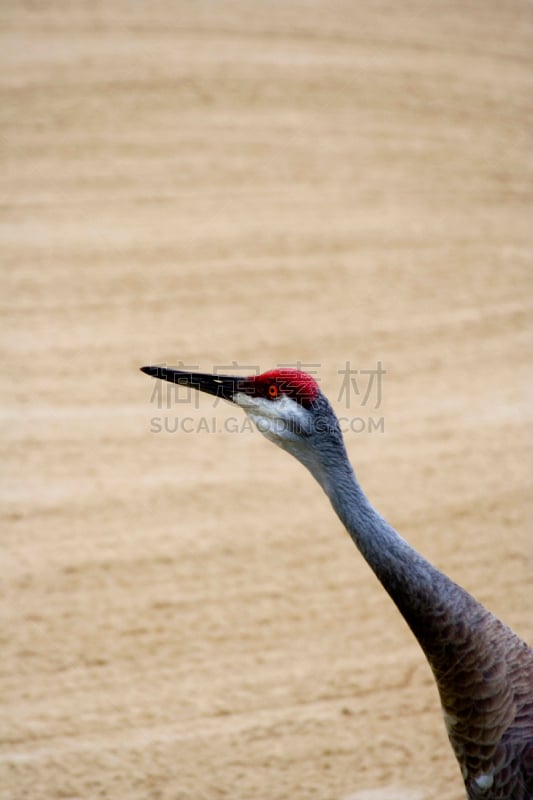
(224, 386)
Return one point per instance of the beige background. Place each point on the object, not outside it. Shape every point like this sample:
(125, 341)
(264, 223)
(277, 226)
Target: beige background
(183, 617)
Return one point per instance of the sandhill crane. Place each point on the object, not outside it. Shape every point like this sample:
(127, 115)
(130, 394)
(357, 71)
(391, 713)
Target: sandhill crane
(483, 671)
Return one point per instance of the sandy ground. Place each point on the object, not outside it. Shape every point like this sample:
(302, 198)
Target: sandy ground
(218, 184)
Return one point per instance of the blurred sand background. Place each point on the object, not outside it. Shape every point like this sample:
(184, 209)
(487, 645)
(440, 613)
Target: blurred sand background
(183, 617)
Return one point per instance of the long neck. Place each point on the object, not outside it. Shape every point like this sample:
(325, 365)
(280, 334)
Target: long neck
(483, 671)
(419, 590)
(448, 623)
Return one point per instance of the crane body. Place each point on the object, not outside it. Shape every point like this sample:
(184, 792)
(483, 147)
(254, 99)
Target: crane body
(482, 669)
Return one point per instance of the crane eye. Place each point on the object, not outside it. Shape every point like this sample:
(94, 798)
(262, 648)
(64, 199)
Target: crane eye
(273, 391)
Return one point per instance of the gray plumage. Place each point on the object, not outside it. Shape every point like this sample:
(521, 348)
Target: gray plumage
(483, 671)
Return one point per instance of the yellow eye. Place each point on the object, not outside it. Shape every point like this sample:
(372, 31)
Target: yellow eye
(273, 391)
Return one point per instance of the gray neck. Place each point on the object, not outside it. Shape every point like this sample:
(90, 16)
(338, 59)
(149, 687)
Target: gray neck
(428, 600)
(471, 653)
(397, 565)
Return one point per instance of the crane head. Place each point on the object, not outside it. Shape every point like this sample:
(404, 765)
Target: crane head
(286, 406)
(274, 400)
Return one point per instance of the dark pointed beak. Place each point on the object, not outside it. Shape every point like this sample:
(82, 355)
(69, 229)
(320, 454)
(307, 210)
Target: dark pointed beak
(224, 386)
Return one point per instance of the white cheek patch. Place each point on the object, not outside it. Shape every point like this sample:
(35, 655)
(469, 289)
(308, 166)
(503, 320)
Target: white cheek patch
(275, 419)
